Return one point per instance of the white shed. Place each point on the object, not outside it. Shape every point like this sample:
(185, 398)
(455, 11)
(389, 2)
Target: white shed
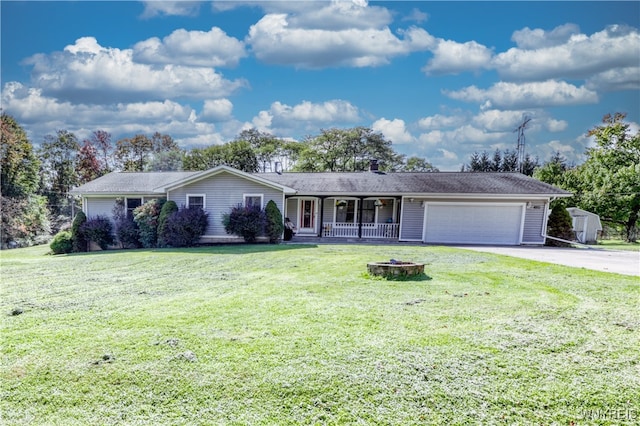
(585, 224)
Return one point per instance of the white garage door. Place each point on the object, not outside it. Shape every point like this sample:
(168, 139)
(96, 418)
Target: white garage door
(465, 223)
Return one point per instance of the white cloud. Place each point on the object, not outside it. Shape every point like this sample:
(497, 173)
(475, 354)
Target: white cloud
(439, 121)
(579, 57)
(155, 8)
(526, 95)
(213, 48)
(416, 15)
(284, 120)
(556, 125)
(394, 130)
(452, 57)
(89, 73)
(616, 79)
(341, 15)
(273, 40)
(217, 110)
(527, 38)
(500, 121)
(43, 115)
(326, 112)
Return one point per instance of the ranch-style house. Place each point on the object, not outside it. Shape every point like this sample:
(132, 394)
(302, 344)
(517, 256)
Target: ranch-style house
(438, 208)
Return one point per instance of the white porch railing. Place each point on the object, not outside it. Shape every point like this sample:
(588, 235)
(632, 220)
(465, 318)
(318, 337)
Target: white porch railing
(369, 230)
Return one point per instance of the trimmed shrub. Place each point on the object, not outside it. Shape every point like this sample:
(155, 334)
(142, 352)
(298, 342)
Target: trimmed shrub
(246, 222)
(62, 243)
(167, 210)
(185, 227)
(274, 225)
(559, 226)
(99, 230)
(146, 217)
(78, 238)
(127, 232)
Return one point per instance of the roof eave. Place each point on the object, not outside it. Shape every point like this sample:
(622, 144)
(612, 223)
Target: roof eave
(220, 169)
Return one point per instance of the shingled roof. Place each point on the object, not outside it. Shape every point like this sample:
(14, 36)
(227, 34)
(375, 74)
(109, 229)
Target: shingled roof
(360, 183)
(414, 183)
(129, 183)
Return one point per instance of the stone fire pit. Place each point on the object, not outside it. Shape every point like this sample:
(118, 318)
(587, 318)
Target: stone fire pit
(395, 268)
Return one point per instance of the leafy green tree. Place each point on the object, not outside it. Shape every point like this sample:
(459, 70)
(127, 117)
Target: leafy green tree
(347, 150)
(59, 154)
(237, 154)
(132, 154)
(25, 221)
(266, 147)
(417, 164)
(552, 171)
(608, 182)
(18, 164)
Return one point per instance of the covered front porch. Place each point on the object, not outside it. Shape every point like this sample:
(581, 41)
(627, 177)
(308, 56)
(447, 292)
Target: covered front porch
(345, 217)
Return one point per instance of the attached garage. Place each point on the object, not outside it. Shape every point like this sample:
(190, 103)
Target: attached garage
(473, 223)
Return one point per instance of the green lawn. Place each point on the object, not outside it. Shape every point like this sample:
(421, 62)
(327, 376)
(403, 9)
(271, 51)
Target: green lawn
(618, 245)
(296, 334)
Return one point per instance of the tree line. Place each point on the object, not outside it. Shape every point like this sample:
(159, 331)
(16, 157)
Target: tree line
(35, 182)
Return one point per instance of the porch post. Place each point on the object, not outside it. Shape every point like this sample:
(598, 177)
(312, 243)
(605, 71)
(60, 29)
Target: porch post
(321, 226)
(360, 209)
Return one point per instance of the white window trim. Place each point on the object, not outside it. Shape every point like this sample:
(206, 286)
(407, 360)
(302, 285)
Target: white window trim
(204, 200)
(245, 196)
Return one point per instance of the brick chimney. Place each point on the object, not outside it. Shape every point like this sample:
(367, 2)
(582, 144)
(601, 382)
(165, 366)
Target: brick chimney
(373, 166)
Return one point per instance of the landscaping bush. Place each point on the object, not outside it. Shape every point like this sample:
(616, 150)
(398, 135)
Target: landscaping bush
(78, 238)
(99, 230)
(167, 210)
(62, 243)
(185, 227)
(146, 217)
(127, 232)
(274, 225)
(246, 222)
(559, 226)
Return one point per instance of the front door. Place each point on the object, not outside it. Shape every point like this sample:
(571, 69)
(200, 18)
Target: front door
(307, 223)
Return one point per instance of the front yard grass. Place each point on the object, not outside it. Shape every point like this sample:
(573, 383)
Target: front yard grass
(300, 334)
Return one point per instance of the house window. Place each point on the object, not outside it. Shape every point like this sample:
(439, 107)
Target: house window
(195, 201)
(368, 211)
(132, 203)
(346, 211)
(253, 200)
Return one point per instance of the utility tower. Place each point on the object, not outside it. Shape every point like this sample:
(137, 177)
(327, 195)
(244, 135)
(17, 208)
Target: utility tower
(521, 143)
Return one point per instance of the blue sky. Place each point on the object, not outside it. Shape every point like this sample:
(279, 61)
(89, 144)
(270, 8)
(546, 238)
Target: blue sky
(439, 79)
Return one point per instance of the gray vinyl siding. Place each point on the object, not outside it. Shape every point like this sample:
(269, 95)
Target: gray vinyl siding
(292, 210)
(327, 211)
(222, 192)
(412, 221)
(100, 207)
(533, 223)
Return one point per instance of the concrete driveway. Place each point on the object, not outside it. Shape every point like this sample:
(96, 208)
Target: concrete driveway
(617, 261)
